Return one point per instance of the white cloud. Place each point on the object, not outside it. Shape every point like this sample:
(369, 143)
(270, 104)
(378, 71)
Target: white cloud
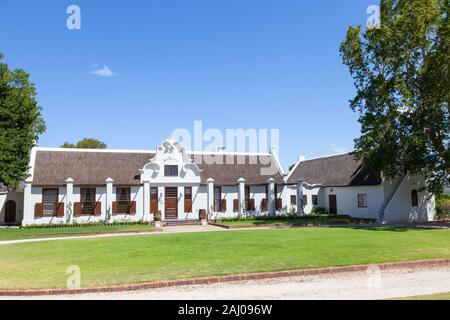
(338, 149)
(104, 71)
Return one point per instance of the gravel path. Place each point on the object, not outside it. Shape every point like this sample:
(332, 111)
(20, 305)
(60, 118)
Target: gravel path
(362, 285)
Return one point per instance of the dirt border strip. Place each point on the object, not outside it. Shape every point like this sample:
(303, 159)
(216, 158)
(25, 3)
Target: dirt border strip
(230, 278)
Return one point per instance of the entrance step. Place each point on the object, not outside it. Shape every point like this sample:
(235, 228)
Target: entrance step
(175, 222)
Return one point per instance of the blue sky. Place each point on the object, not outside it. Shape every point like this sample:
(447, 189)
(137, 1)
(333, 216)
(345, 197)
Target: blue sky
(229, 63)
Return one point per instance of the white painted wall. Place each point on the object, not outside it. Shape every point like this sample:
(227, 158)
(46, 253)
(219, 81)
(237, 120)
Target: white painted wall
(17, 197)
(309, 192)
(347, 200)
(2, 206)
(346, 197)
(199, 200)
(400, 209)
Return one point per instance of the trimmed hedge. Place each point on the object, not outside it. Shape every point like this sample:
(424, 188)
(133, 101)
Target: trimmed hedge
(309, 217)
(78, 225)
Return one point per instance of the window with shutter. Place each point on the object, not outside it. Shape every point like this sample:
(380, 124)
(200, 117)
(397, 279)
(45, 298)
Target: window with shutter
(123, 199)
(87, 201)
(247, 198)
(154, 200)
(187, 199)
(235, 205)
(49, 201)
(217, 198)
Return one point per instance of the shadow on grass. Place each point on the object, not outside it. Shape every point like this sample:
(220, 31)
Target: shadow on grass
(393, 228)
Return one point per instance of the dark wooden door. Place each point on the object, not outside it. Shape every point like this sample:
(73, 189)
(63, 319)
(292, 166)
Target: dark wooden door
(332, 203)
(171, 202)
(10, 212)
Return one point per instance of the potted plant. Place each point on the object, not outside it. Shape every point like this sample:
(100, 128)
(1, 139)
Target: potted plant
(203, 217)
(157, 218)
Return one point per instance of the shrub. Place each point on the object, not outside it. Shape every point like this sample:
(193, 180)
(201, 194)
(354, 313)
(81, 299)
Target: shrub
(83, 225)
(443, 207)
(318, 210)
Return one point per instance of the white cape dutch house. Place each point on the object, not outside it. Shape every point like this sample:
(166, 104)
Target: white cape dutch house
(67, 185)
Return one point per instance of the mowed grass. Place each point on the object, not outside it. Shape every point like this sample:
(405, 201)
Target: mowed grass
(132, 259)
(16, 233)
(437, 296)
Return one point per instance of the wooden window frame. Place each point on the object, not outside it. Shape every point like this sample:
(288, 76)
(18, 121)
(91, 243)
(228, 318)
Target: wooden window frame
(169, 170)
(414, 198)
(154, 202)
(362, 200)
(123, 207)
(247, 197)
(219, 199)
(293, 200)
(314, 200)
(188, 200)
(305, 200)
(90, 213)
(56, 203)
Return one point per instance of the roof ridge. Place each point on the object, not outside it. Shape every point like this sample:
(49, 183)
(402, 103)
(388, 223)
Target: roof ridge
(225, 153)
(326, 157)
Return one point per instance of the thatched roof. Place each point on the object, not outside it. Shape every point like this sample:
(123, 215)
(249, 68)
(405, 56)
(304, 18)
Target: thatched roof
(340, 170)
(92, 168)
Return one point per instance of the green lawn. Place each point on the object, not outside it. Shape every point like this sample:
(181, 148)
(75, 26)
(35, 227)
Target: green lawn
(16, 234)
(132, 259)
(438, 296)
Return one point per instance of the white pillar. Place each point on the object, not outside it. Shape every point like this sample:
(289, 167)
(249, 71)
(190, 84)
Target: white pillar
(109, 199)
(69, 199)
(28, 210)
(241, 195)
(300, 211)
(210, 209)
(146, 197)
(271, 195)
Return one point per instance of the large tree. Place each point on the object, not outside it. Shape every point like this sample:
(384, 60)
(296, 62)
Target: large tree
(86, 143)
(401, 74)
(20, 123)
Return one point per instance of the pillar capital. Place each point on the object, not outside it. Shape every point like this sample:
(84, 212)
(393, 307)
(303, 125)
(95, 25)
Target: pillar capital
(70, 180)
(241, 180)
(109, 180)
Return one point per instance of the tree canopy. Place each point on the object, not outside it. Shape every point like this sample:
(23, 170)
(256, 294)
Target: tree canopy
(86, 143)
(401, 74)
(21, 123)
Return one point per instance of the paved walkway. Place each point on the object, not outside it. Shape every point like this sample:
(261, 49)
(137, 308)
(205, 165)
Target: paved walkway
(165, 230)
(347, 286)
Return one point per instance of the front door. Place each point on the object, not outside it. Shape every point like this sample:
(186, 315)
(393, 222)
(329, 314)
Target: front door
(333, 203)
(171, 202)
(10, 212)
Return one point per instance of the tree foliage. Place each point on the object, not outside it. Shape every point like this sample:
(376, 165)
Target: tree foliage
(401, 74)
(20, 123)
(86, 143)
